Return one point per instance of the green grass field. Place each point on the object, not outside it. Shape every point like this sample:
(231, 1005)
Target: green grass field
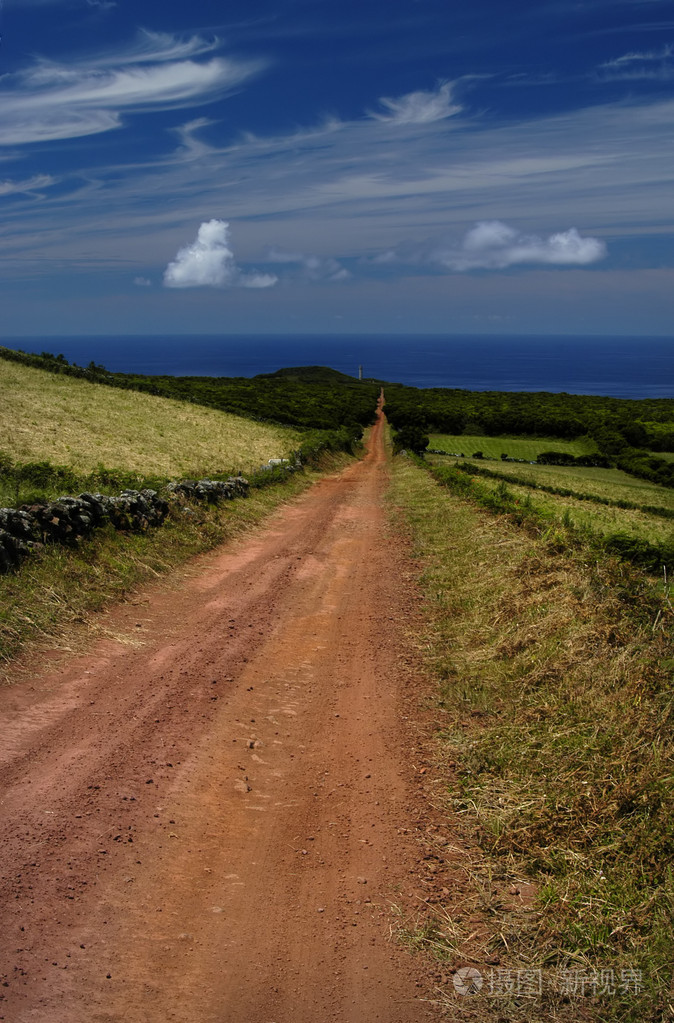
(515, 447)
(80, 424)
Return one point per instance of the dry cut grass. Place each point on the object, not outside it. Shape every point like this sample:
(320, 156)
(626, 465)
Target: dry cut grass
(556, 678)
(81, 424)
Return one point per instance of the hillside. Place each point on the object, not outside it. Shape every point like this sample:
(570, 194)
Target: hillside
(306, 396)
(82, 424)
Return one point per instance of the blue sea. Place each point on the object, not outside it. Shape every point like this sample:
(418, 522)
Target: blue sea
(624, 367)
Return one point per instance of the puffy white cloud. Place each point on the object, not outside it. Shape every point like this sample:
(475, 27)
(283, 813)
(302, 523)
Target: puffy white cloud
(210, 262)
(419, 107)
(142, 282)
(312, 268)
(493, 245)
(54, 101)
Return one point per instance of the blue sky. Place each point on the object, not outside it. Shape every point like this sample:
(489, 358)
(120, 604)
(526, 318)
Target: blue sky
(311, 166)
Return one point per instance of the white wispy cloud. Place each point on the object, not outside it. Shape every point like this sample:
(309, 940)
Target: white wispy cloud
(419, 107)
(154, 47)
(192, 147)
(656, 64)
(103, 5)
(644, 55)
(209, 262)
(28, 186)
(312, 268)
(352, 189)
(493, 245)
(50, 101)
(142, 282)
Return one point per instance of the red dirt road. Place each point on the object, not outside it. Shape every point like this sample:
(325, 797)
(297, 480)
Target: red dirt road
(204, 821)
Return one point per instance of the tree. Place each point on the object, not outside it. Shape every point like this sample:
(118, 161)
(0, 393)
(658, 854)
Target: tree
(412, 438)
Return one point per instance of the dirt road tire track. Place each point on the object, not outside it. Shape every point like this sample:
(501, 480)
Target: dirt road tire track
(210, 825)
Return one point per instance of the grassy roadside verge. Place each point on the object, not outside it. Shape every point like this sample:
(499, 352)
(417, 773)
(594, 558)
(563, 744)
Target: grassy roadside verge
(555, 676)
(56, 595)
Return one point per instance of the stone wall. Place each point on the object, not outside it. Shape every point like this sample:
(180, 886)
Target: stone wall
(26, 530)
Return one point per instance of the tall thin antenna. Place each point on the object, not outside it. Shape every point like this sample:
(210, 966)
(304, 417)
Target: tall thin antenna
(360, 372)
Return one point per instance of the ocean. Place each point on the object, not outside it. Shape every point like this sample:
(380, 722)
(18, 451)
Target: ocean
(623, 367)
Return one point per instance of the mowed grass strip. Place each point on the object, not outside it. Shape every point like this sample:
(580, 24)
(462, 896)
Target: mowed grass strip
(514, 447)
(555, 677)
(609, 484)
(586, 516)
(83, 425)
